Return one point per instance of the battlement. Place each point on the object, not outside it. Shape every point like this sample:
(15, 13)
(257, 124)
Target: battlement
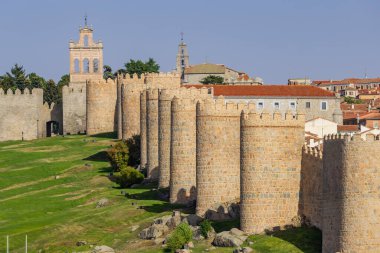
(152, 94)
(73, 89)
(348, 138)
(17, 92)
(101, 82)
(257, 118)
(220, 106)
(183, 104)
(313, 151)
(134, 79)
(183, 92)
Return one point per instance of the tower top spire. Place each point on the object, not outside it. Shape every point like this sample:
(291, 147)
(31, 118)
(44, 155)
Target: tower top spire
(182, 36)
(85, 20)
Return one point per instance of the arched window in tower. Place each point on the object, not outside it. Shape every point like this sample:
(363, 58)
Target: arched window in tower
(96, 65)
(85, 40)
(76, 66)
(86, 65)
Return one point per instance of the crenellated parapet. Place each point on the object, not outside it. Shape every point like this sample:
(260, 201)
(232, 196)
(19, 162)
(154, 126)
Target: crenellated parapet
(351, 204)
(163, 80)
(183, 150)
(271, 145)
(17, 92)
(101, 105)
(217, 154)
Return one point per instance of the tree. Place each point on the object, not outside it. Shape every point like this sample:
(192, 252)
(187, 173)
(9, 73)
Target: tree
(65, 80)
(211, 79)
(36, 81)
(351, 100)
(139, 67)
(16, 79)
(107, 72)
(51, 93)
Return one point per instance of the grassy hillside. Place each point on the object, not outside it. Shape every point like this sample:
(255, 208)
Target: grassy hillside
(49, 189)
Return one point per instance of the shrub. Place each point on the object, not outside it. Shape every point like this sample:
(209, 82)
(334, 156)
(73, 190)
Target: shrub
(133, 145)
(179, 237)
(118, 156)
(128, 176)
(205, 228)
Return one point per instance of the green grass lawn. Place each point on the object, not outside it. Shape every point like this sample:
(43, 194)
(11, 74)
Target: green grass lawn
(49, 189)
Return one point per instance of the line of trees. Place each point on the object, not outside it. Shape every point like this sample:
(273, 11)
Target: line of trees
(17, 78)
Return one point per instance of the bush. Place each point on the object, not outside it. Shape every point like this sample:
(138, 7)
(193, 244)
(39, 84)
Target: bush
(128, 176)
(118, 156)
(133, 145)
(179, 237)
(205, 228)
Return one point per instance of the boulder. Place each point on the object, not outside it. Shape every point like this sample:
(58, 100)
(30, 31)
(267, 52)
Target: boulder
(197, 235)
(237, 232)
(162, 220)
(193, 219)
(229, 239)
(81, 243)
(174, 220)
(103, 249)
(154, 231)
(247, 250)
(102, 203)
(158, 241)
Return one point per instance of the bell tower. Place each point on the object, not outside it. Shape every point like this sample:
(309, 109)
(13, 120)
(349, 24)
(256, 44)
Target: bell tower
(182, 59)
(86, 57)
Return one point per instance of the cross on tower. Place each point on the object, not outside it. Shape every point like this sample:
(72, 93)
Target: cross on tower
(182, 36)
(85, 20)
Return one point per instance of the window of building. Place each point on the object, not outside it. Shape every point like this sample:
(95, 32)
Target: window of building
(86, 65)
(292, 105)
(260, 105)
(85, 40)
(276, 105)
(324, 106)
(76, 66)
(307, 105)
(96, 65)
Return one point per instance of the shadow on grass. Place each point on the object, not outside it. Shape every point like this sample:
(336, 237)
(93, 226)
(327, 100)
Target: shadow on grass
(101, 156)
(309, 240)
(105, 170)
(220, 226)
(109, 135)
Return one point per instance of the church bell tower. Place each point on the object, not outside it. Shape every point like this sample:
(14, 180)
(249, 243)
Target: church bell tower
(182, 59)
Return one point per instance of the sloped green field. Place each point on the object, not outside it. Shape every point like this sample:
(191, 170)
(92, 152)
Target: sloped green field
(49, 189)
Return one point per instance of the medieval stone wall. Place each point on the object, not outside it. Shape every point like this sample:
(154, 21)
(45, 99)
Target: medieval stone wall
(143, 159)
(74, 108)
(20, 115)
(351, 207)
(101, 106)
(311, 194)
(271, 150)
(152, 133)
(218, 154)
(164, 126)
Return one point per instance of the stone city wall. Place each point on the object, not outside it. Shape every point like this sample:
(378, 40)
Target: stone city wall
(351, 206)
(101, 106)
(164, 126)
(20, 114)
(152, 133)
(74, 108)
(218, 154)
(311, 194)
(271, 149)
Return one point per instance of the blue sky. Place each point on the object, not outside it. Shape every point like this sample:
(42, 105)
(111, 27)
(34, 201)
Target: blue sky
(324, 39)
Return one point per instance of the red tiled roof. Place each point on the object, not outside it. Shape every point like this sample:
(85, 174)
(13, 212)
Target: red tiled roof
(347, 81)
(348, 128)
(371, 115)
(267, 90)
(353, 107)
(353, 114)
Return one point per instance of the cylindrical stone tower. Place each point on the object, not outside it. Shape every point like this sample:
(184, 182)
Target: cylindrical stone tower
(152, 133)
(183, 151)
(351, 207)
(119, 111)
(164, 121)
(271, 152)
(143, 159)
(218, 154)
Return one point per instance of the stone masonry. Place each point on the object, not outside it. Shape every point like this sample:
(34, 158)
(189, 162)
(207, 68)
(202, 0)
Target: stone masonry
(218, 154)
(351, 180)
(152, 133)
(271, 147)
(101, 106)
